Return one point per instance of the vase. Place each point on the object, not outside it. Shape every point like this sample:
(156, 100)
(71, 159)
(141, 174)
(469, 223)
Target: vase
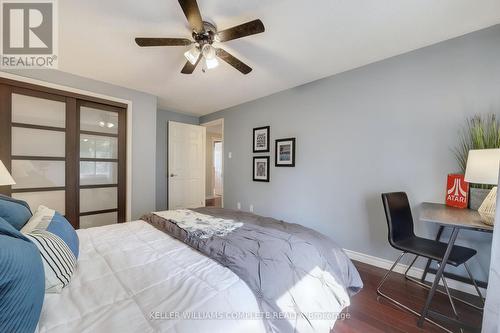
(477, 196)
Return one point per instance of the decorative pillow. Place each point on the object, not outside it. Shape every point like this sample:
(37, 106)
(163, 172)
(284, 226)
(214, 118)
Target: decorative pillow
(40, 220)
(16, 212)
(58, 261)
(50, 220)
(21, 281)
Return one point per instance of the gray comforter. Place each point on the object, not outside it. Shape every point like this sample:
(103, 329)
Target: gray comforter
(301, 279)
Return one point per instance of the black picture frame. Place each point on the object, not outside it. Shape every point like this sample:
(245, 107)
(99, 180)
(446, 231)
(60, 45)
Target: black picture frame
(267, 129)
(277, 161)
(268, 161)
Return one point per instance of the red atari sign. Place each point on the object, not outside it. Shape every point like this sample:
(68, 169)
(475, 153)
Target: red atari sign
(457, 191)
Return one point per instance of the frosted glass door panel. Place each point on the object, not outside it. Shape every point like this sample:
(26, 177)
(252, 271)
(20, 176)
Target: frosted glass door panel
(93, 146)
(38, 111)
(36, 174)
(91, 221)
(94, 199)
(98, 173)
(52, 199)
(33, 142)
(96, 120)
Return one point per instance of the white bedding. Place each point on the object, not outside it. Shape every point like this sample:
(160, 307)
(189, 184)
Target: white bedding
(128, 273)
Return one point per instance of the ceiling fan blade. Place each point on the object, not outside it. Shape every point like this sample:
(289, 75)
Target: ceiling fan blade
(163, 42)
(189, 67)
(192, 12)
(233, 61)
(242, 30)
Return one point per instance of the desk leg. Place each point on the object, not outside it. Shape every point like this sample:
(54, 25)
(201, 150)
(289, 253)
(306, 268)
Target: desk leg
(429, 261)
(438, 276)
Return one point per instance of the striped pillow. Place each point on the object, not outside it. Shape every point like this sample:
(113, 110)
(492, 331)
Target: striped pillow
(58, 261)
(50, 220)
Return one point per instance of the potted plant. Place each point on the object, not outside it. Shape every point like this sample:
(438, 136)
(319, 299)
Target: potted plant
(479, 132)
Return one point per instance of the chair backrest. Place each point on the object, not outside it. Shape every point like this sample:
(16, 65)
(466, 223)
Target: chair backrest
(398, 214)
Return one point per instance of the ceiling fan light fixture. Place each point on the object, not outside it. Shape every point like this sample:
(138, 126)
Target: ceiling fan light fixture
(211, 63)
(208, 52)
(192, 54)
(210, 56)
(204, 34)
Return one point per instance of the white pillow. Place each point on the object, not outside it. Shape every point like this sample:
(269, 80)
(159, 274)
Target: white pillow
(58, 261)
(40, 220)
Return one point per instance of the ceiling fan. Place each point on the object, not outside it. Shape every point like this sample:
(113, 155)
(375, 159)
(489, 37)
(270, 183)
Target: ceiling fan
(204, 35)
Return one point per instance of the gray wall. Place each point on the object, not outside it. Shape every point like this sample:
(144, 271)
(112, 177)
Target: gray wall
(162, 119)
(388, 126)
(143, 131)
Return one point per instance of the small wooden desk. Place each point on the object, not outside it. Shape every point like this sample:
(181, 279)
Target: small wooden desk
(453, 217)
(456, 219)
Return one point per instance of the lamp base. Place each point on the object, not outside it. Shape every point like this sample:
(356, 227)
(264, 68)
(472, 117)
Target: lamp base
(487, 209)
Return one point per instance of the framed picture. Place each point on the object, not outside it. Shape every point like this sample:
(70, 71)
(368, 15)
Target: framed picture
(261, 168)
(261, 139)
(285, 153)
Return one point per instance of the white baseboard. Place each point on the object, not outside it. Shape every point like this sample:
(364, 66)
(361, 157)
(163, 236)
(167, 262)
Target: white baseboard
(413, 272)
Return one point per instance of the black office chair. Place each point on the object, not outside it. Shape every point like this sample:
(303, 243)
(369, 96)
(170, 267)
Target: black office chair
(402, 237)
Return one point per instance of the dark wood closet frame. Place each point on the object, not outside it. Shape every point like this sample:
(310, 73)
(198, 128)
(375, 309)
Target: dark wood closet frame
(72, 155)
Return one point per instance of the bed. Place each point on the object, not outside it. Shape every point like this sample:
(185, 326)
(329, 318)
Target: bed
(135, 277)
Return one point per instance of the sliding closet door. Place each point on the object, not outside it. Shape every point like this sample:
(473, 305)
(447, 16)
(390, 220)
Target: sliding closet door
(65, 151)
(102, 164)
(38, 148)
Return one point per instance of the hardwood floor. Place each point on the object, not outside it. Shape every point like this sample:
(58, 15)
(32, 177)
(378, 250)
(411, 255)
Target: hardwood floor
(214, 202)
(368, 314)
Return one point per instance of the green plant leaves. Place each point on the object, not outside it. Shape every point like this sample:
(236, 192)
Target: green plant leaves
(479, 132)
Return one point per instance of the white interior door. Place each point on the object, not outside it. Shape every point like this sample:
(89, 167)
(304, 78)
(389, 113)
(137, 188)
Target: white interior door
(186, 165)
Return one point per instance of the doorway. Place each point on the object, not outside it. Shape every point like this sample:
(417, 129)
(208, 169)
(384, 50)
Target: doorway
(214, 163)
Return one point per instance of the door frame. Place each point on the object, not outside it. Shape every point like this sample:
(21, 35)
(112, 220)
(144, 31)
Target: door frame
(219, 121)
(214, 142)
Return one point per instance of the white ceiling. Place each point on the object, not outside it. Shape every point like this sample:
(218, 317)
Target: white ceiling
(304, 41)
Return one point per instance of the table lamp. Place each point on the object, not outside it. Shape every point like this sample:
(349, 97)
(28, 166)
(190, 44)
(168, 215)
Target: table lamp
(5, 177)
(482, 168)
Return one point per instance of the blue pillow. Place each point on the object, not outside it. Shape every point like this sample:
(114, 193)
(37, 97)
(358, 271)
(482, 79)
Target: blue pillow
(59, 226)
(53, 222)
(59, 263)
(8, 230)
(16, 212)
(22, 282)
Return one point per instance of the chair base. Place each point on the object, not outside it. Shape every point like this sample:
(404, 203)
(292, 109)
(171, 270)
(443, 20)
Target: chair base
(426, 286)
(420, 283)
(404, 307)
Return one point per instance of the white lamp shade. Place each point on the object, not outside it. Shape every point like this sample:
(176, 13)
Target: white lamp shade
(193, 54)
(482, 166)
(5, 177)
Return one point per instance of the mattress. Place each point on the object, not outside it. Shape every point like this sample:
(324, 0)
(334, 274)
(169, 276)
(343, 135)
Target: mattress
(302, 279)
(132, 277)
